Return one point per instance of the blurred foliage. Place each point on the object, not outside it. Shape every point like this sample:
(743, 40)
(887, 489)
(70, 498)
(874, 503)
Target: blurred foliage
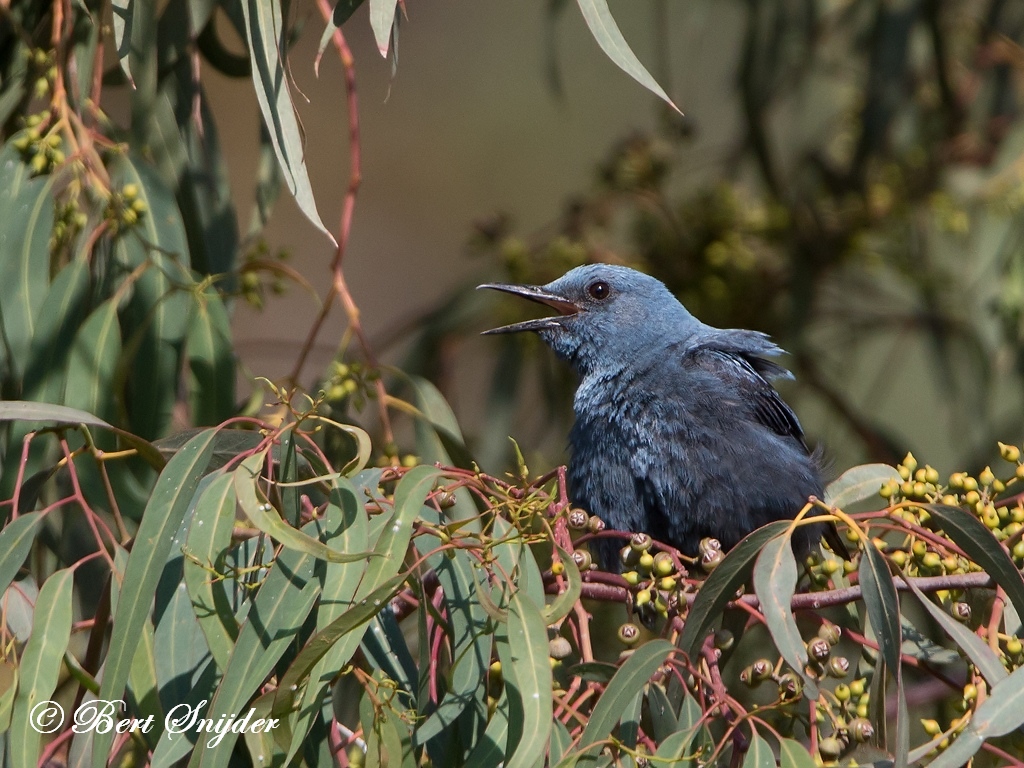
(169, 551)
(865, 213)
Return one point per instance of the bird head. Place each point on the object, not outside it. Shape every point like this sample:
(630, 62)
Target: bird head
(606, 314)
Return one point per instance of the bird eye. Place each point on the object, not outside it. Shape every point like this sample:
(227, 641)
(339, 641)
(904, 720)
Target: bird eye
(599, 290)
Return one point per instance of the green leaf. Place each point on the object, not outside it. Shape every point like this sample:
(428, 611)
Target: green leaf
(25, 227)
(25, 410)
(630, 678)
(759, 754)
(171, 497)
(438, 436)
(721, 585)
(563, 604)
(211, 361)
(410, 494)
(775, 577)
(267, 40)
(527, 672)
(675, 746)
(793, 754)
(490, 749)
(364, 609)
(859, 483)
(663, 716)
(883, 609)
(268, 185)
(63, 310)
(8, 691)
(16, 539)
(971, 535)
(93, 363)
(159, 305)
(124, 14)
(263, 515)
(209, 537)
(41, 665)
(347, 518)
(379, 584)
(382, 19)
(977, 650)
(606, 33)
(280, 608)
(1001, 713)
(343, 9)
(469, 636)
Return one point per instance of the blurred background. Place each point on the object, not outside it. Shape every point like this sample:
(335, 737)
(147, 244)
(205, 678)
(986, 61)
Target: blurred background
(847, 178)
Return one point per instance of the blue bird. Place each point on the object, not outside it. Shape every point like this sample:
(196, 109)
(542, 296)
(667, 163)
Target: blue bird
(678, 431)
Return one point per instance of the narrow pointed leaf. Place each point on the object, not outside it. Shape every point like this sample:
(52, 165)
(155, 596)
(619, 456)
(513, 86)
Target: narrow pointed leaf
(343, 9)
(527, 671)
(93, 363)
(629, 678)
(124, 12)
(267, 38)
(280, 608)
(977, 650)
(25, 227)
(382, 20)
(759, 755)
(209, 537)
(210, 360)
(775, 577)
(1001, 713)
(41, 665)
(163, 515)
(265, 517)
(976, 540)
(793, 754)
(606, 33)
(859, 483)
(16, 540)
(721, 585)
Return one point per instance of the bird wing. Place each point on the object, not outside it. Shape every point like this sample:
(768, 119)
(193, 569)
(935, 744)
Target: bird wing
(746, 372)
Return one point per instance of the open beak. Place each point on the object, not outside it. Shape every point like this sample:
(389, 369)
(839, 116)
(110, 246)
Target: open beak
(562, 305)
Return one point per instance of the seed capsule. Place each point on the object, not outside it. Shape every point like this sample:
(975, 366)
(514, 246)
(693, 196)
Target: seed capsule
(711, 560)
(961, 611)
(839, 666)
(559, 648)
(791, 687)
(595, 524)
(663, 565)
(582, 559)
(830, 748)
(578, 519)
(724, 639)
(629, 634)
(640, 542)
(862, 730)
(819, 649)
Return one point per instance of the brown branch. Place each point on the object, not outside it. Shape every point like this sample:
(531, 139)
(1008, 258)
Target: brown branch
(602, 586)
(339, 286)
